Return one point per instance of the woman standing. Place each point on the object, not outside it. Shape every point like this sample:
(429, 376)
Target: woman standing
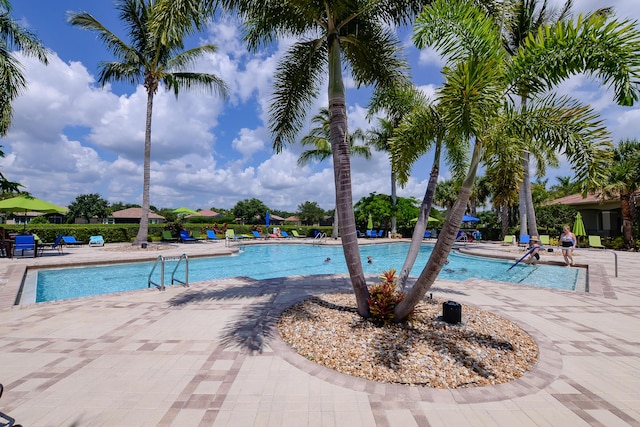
(568, 241)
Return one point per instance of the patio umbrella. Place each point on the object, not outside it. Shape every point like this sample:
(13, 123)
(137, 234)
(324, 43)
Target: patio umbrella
(469, 218)
(29, 204)
(578, 226)
(429, 219)
(370, 223)
(267, 220)
(184, 211)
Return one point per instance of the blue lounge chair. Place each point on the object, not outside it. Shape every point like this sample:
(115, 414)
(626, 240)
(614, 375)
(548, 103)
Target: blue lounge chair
(57, 245)
(524, 240)
(71, 241)
(371, 233)
(211, 235)
(185, 238)
(380, 233)
(427, 234)
(96, 241)
(285, 234)
(257, 235)
(25, 243)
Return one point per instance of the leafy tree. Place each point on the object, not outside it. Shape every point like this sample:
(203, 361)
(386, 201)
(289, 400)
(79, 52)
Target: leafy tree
(89, 205)
(382, 210)
(318, 138)
(330, 36)
(553, 217)
(251, 211)
(12, 81)
(118, 206)
(624, 182)
(40, 219)
(155, 54)
(565, 187)
(310, 213)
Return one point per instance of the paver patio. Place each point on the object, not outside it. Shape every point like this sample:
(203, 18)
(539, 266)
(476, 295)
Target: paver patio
(209, 355)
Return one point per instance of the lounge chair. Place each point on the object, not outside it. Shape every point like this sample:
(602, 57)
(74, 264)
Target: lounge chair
(509, 239)
(462, 237)
(427, 234)
(258, 235)
(524, 240)
(196, 235)
(380, 233)
(167, 237)
(295, 233)
(231, 234)
(285, 234)
(96, 241)
(185, 238)
(544, 240)
(595, 242)
(211, 235)
(71, 241)
(57, 245)
(371, 234)
(25, 243)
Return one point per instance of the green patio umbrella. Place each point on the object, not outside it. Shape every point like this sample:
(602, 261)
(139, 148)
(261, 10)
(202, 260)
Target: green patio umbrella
(26, 204)
(370, 223)
(578, 226)
(184, 211)
(429, 219)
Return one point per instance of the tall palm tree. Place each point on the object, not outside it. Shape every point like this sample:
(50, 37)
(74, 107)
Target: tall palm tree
(152, 57)
(624, 182)
(318, 137)
(12, 81)
(331, 36)
(472, 99)
(597, 44)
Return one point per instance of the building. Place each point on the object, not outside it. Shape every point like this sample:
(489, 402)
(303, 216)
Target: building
(601, 217)
(132, 216)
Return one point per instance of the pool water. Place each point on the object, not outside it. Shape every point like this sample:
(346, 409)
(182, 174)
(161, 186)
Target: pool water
(273, 260)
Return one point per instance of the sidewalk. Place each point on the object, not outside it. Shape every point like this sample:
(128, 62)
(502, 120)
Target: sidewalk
(210, 355)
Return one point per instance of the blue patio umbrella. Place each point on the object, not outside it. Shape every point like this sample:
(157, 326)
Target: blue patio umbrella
(469, 218)
(267, 220)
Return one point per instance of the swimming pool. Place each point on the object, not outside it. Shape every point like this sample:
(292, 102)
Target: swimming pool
(278, 260)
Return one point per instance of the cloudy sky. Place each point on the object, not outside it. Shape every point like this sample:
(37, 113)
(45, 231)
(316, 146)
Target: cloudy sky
(70, 136)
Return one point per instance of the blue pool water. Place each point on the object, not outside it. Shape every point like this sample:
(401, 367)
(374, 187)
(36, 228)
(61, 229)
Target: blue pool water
(270, 261)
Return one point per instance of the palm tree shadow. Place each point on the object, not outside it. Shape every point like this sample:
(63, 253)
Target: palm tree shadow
(257, 321)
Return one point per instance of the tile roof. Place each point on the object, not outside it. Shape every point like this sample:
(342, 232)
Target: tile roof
(134, 213)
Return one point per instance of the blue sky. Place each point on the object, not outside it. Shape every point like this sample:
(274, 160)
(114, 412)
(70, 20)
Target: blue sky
(70, 136)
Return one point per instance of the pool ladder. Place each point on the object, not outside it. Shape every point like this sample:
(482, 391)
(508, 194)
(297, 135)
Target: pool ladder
(161, 260)
(320, 238)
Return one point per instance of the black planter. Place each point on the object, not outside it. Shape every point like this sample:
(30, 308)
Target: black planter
(451, 312)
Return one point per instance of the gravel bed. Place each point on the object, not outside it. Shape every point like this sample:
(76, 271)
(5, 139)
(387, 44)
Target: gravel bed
(483, 349)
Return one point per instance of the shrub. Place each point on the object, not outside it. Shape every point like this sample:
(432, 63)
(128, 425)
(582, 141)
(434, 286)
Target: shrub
(384, 297)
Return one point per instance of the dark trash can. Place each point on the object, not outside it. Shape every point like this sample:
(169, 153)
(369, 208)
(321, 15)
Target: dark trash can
(451, 312)
(143, 245)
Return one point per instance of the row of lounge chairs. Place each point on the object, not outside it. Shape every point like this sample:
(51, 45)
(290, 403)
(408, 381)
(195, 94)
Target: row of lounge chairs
(510, 239)
(32, 243)
(195, 236)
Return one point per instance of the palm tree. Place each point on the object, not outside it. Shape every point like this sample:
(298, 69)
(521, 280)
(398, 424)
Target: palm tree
(318, 137)
(477, 79)
(624, 182)
(12, 81)
(330, 35)
(153, 56)
(595, 45)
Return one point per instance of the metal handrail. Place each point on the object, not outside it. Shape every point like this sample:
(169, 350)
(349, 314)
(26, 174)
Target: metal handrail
(319, 238)
(161, 260)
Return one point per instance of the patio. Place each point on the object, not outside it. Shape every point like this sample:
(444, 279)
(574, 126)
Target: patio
(209, 355)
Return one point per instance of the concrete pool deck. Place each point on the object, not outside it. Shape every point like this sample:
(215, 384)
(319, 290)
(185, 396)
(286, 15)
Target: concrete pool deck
(209, 355)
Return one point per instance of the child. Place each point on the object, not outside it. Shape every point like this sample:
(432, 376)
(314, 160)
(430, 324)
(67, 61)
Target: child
(534, 248)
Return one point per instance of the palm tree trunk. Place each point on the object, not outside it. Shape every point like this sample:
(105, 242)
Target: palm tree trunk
(394, 200)
(421, 224)
(627, 221)
(445, 242)
(335, 233)
(143, 231)
(342, 175)
(522, 209)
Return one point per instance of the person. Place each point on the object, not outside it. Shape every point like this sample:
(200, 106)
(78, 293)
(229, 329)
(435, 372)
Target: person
(327, 259)
(534, 248)
(370, 259)
(568, 242)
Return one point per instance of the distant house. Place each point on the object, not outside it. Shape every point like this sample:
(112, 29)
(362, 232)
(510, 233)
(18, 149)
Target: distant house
(602, 217)
(132, 216)
(205, 213)
(293, 220)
